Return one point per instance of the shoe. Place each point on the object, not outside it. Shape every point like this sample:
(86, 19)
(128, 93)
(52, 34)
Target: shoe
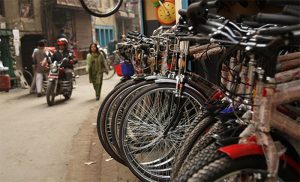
(39, 95)
(97, 98)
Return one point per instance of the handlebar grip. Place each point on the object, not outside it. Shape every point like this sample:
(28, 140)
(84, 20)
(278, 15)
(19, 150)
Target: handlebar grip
(279, 30)
(276, 19)
(197, 13)
(131, 36)
(211, 4)
(205, 29)
(182, 12)
(134, 33)
(287, 10)
(145, 46)
(253, 24)
(279, 2)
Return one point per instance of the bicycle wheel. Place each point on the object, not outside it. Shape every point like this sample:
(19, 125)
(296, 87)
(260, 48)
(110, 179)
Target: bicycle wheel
(189, 139)
(105, 119)
(213, 165)
(145, 146)
(121, 105)
(28, 76)
(102, 126)
(111, 69)
(101, 8)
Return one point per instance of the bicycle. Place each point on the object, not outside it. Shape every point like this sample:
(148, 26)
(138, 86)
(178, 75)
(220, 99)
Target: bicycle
(27, 75)
(230, 157)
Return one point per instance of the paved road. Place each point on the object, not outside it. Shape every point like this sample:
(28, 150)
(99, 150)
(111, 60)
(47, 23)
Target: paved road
(51, 144)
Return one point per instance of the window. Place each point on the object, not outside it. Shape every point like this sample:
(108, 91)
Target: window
(2, 12)
(26, 8)
(104, 34)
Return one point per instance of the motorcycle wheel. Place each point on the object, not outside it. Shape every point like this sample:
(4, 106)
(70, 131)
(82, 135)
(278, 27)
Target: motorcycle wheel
(50, 95)
(68, 95)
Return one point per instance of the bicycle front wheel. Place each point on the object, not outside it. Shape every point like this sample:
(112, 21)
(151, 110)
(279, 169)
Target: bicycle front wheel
(148, 150)
(111, 70)
(101, 8)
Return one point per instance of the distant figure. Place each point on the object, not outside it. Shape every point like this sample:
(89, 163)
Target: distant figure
(95, 67)
(39, 56)
(111, 47)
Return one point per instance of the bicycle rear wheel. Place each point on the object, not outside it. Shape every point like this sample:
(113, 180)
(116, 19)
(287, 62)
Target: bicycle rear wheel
(101, 8)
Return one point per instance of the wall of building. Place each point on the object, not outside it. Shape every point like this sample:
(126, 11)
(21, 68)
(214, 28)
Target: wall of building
(25, 25)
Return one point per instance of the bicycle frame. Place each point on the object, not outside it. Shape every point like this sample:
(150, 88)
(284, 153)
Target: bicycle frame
(266, 116)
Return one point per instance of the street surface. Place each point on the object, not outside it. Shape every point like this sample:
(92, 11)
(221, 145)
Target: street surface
(57, 143)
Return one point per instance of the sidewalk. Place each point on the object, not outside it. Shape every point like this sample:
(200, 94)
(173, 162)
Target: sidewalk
(90, 162)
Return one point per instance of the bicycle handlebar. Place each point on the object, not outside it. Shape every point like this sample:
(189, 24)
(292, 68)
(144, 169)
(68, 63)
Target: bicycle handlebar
(276, 19)
(279, 2)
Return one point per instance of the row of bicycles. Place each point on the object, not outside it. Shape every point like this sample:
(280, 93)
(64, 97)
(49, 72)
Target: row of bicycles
(212, 99)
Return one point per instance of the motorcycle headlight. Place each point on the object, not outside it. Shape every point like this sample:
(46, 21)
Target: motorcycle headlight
(54, 70)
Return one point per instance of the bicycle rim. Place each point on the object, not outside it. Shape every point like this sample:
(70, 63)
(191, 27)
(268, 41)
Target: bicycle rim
(119, 111)
(100, 8)
(148, 152)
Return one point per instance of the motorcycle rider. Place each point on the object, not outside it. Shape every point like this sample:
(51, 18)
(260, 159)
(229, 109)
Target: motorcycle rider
(65, 57)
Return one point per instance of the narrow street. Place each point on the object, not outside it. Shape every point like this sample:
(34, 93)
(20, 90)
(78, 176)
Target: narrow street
(55, 144)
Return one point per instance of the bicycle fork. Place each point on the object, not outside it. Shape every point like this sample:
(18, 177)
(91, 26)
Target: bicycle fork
(180, 81)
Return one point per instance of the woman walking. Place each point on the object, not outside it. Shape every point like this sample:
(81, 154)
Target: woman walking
(96, 67)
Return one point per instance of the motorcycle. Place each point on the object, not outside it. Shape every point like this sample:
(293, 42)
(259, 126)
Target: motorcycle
(57, 83)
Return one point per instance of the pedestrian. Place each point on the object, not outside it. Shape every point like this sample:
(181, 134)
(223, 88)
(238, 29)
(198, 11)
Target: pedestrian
(39, 58)
(32, 86)
(96, 67)
(33, 83)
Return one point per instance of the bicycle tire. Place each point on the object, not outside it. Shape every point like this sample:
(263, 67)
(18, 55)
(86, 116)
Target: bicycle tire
(28, 77)
(101, 126)
(121, 104)
(189, 140)
(200, 145)
(217, 166)
(104, 120)
(159, 168)
(111, 70)
(98, 14)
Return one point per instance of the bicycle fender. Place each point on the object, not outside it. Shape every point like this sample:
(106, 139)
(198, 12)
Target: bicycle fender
(235, 151)
(164, 80)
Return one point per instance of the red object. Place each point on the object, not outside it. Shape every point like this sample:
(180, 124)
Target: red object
(51, 49)
(236, 151)
(118, 69)
(5, 82)
(264, 92)
(218, 95)
(239, 150)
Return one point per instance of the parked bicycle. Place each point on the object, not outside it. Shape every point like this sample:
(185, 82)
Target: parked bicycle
(220, 101)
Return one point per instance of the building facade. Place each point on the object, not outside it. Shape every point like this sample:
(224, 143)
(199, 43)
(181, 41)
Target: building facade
(24, 22)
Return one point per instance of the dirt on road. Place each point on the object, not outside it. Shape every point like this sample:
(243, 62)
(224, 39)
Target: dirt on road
(89, 161)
